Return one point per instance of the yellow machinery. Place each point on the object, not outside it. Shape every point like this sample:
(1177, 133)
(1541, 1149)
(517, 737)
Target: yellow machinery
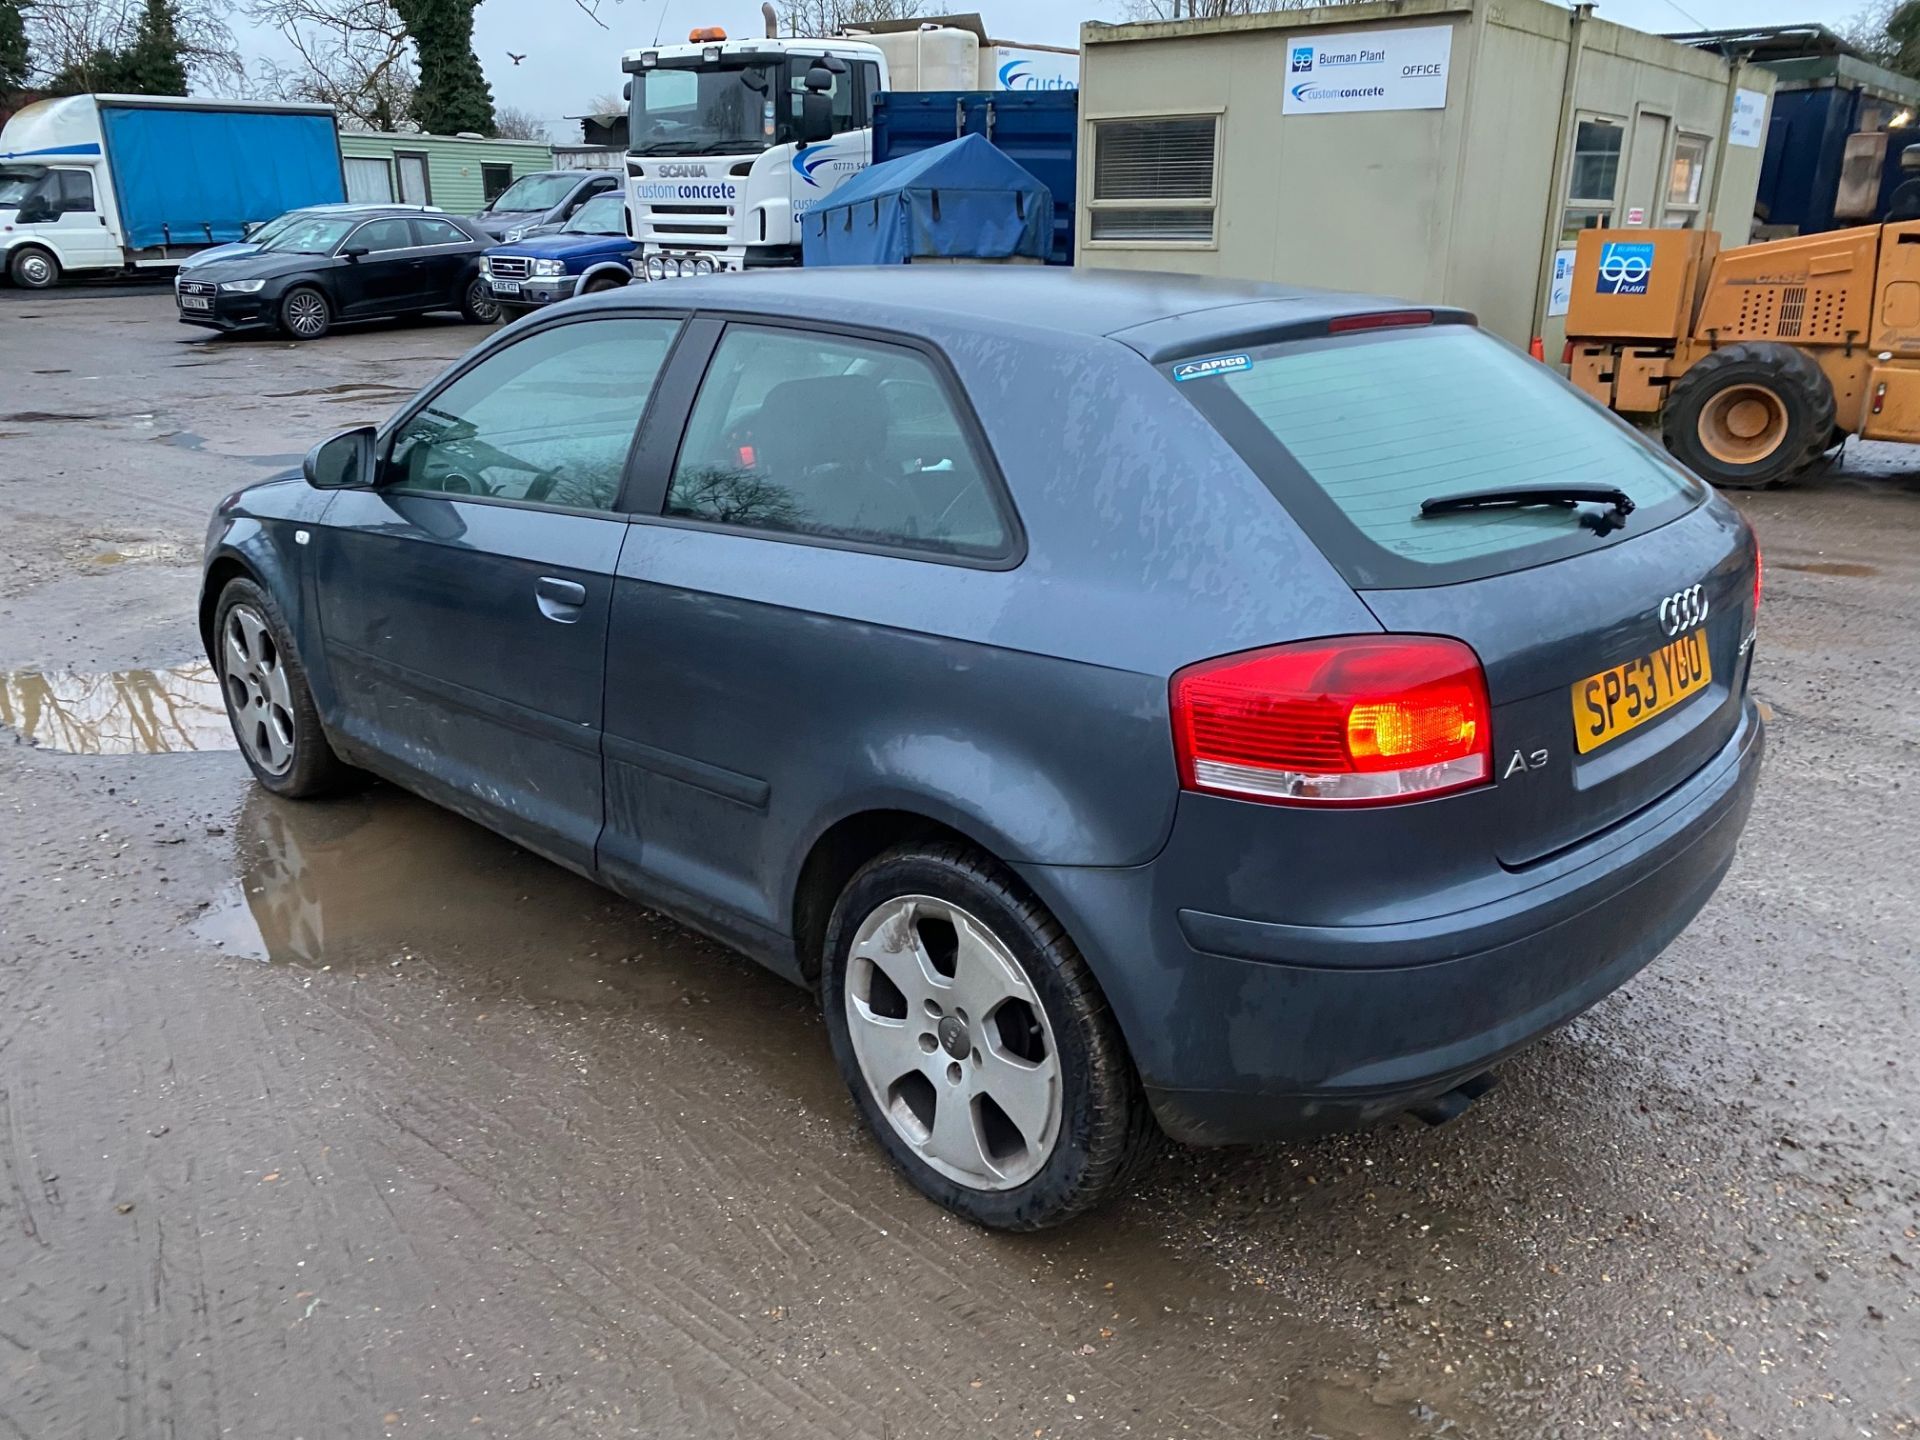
(1756, 360)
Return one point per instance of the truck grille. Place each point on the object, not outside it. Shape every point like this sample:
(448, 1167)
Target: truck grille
(687, 223)
(510, 267)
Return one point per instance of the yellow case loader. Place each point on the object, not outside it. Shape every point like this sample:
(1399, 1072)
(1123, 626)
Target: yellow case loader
(1756, 360)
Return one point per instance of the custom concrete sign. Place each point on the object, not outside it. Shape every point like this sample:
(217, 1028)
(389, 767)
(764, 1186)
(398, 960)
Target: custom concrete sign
(1368, 70)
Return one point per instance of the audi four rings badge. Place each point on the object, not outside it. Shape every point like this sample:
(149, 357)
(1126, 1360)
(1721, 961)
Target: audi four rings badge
(1684, 609)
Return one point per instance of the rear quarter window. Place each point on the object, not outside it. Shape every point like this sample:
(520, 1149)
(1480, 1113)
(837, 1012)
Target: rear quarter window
(1352, 433)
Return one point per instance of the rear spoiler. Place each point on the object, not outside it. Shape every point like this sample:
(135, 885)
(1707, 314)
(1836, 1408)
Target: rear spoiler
(1273, 322)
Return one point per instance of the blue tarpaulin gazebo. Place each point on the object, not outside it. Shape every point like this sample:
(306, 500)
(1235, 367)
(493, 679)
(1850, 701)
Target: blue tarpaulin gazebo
(964, 200)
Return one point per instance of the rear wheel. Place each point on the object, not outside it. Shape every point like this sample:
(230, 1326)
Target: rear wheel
(32, 268)
(976, 1042)
(1750, 415)
(305, 313)
(478, 304)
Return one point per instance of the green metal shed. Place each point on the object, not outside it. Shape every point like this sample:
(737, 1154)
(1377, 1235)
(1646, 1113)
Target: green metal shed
(456, 172)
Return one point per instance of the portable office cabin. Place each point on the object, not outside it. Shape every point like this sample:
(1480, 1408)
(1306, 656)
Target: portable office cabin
(1443, 150)
(459, 173)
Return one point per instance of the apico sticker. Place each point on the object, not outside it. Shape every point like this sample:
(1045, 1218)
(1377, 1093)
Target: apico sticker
(1214, 365)
(1624, 268)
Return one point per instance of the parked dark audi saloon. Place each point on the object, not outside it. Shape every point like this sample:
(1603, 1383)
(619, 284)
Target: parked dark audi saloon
(1132, 704)
(366, 264)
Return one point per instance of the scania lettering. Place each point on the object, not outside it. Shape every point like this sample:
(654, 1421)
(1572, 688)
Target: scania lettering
(731, 142)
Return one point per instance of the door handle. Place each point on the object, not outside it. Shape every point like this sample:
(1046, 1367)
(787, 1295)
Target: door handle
(560, 600)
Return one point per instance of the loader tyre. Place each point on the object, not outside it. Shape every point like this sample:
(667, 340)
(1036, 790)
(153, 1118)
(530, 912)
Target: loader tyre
(1750, 415)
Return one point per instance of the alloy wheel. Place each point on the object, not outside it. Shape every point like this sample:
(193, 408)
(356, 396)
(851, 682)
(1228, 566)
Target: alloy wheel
(306, 314)
(953, 1043)
(254, 676)
(481, 304)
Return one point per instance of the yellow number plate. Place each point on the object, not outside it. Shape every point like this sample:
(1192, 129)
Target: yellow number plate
(1615, 701)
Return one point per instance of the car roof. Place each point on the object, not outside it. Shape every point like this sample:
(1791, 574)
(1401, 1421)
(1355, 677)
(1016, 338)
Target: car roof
(1158, 314)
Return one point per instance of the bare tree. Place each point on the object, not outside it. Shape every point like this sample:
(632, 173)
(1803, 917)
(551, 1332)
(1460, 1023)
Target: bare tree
(1210, 9)
(830, 17)
(69, 36)
(351, 54)
(512, 124)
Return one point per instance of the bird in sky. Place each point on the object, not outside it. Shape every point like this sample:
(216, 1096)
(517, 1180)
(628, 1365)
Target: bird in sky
(515, 58)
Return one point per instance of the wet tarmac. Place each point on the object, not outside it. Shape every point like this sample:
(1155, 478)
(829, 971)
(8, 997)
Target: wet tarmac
(351, 1119)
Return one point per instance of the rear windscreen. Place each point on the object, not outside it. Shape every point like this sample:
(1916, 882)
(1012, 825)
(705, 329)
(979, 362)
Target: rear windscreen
(1352, 433)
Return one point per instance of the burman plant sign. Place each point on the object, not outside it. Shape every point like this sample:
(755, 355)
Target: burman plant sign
(1368, 70)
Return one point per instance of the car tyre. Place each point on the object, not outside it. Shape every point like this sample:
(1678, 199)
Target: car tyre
(477, 303)
(305, 313)
(1019, 1019)
(1750, 416)
(33, 268)
(268, 701)
(510, 312)
(604, 282)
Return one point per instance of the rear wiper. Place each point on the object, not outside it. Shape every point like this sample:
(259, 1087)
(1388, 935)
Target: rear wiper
(1513, 497)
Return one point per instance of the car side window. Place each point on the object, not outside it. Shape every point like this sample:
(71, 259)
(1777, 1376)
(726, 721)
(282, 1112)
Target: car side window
(439, 232)
(824, 435)
(76, 192)
(548, 420)
(378, 235)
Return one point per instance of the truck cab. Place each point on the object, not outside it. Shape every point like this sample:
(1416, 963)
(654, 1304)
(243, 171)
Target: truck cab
(730, 142)
(51, 222)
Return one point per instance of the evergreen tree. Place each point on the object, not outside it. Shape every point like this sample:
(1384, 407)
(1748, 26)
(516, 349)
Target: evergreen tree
(152, 64)
(453, 94)
(13, 47)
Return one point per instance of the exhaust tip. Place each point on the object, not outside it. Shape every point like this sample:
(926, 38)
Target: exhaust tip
(1454, 1103)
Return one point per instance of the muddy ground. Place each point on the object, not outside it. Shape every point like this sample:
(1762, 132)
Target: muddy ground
(352, 1120)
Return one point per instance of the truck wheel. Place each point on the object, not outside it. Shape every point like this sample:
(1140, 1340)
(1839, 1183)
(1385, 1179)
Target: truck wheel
(305, 313)
(1751, 415)
(510, 312)
(604, 282)
(976, 1042)
(32, 268)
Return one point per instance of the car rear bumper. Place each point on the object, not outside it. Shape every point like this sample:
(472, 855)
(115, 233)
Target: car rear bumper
(1247, 1030)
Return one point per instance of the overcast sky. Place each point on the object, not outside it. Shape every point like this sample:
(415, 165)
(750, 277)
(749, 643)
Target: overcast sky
(570, 59)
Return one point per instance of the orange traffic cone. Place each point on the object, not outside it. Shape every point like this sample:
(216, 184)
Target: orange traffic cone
(1537, 350)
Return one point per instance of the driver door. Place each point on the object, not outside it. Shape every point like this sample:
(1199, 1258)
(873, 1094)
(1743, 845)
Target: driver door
(464, 601)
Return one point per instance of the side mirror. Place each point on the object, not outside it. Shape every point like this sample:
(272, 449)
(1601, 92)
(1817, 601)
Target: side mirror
(816, 116)
(626, 92)
(354, 252)
(250, 229)
(1910, 158)
(346, 462)
(818, 77)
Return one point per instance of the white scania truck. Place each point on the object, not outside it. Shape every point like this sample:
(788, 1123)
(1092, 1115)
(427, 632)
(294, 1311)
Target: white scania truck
(730, 142)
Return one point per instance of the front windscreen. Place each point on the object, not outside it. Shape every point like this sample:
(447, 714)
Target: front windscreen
(713, 110)
(16, 185)
(602, 215)
(536, 192)
(310, 235)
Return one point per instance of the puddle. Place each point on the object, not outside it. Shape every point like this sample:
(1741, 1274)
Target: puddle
(351, 390)
(383, 883)
(182, 440)
(39, 417)
(117, 712)
(1827, 567)
(146, 552)
(53, 372)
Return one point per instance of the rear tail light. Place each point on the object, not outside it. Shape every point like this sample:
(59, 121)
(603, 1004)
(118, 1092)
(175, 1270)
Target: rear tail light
(1759, 578)
(1363, 720)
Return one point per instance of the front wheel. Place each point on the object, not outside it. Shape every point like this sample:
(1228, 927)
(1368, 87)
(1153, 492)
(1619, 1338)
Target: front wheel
(32, 268)
(977, 1044)
(477, 303)
(305, 313)
(268, 702)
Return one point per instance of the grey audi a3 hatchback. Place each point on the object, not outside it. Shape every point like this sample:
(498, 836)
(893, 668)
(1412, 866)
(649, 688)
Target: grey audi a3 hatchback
(1133, 704)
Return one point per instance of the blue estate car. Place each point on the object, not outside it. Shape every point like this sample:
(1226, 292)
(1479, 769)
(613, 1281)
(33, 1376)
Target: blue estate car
(1129, 703)
(591, 252)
